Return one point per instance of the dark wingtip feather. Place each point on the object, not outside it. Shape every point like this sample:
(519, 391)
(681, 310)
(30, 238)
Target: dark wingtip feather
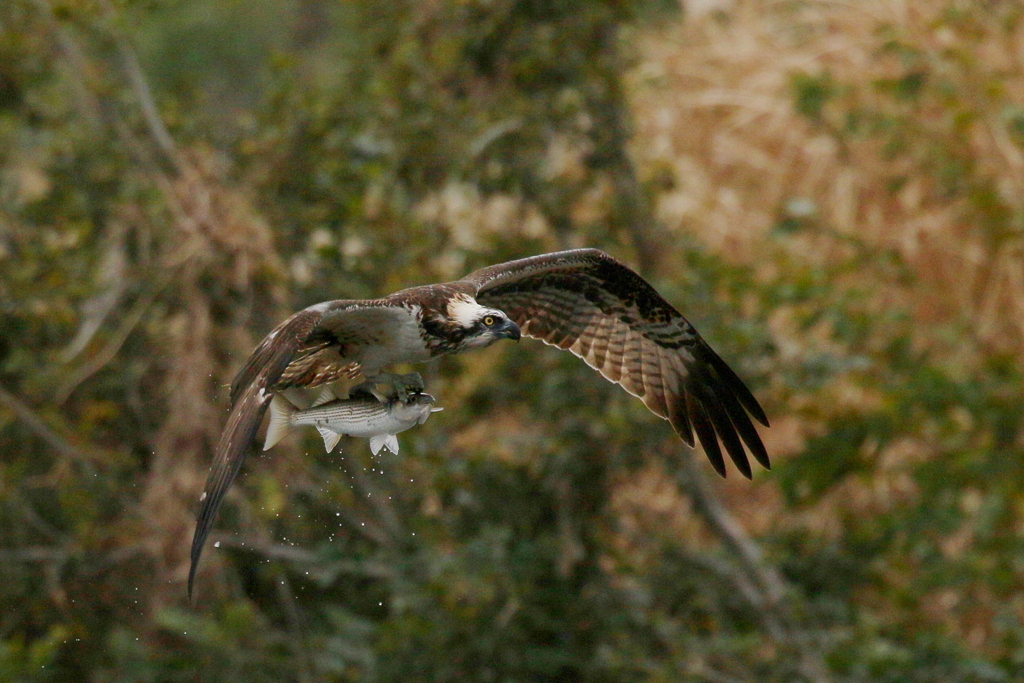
(215, 490)
(216, 486)
(740, 422)
(706, 434)
(704, 389)
(757, 449)
(249, 399)
(677, 417)
(734, 383)
(234, 443)
(718, 403)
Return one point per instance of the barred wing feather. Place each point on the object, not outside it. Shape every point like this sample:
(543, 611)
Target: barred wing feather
(586, 302)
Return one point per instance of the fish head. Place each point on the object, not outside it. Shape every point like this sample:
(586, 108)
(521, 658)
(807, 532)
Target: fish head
(417, 408)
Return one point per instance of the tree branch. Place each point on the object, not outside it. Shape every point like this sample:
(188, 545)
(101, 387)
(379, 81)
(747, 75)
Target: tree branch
(609, 133)
(113, 345)
(38, 426)
(775, 611)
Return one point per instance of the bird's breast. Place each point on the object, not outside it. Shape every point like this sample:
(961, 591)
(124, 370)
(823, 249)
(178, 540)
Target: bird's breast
(399, 342)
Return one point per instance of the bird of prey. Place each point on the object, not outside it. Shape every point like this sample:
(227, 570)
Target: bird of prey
(581, 300)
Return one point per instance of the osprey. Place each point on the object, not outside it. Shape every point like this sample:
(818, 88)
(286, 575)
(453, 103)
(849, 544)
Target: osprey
(582, 300)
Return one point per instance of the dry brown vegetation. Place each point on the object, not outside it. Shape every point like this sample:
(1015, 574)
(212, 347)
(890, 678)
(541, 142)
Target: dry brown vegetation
(714, 105)
(872, 141)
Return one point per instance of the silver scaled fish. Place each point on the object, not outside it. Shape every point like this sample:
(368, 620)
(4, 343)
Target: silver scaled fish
(368, 415)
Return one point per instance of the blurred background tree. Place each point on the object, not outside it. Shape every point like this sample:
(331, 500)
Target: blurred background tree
(830, 192)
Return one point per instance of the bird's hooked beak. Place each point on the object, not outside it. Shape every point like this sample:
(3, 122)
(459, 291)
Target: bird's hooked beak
(509, 329)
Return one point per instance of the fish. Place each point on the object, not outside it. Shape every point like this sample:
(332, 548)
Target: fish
(372, 415)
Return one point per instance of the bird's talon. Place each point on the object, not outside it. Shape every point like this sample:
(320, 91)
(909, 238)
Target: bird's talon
(395, 387)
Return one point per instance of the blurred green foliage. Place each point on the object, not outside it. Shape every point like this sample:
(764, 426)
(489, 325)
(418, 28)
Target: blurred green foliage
(545, 526)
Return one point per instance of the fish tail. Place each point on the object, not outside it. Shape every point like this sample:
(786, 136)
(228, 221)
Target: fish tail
(281, 412)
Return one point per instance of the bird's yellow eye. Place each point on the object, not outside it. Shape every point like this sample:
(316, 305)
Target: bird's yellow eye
(489, 320)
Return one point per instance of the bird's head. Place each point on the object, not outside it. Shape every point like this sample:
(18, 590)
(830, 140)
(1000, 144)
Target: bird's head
(482, 326)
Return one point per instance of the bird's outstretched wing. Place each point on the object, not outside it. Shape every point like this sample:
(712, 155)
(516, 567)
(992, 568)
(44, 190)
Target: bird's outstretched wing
(250, 395)
(588, 303)
(315, 346)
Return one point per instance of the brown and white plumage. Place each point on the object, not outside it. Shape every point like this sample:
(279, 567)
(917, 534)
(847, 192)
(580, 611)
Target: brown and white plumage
(581, 300)
(586, 302)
